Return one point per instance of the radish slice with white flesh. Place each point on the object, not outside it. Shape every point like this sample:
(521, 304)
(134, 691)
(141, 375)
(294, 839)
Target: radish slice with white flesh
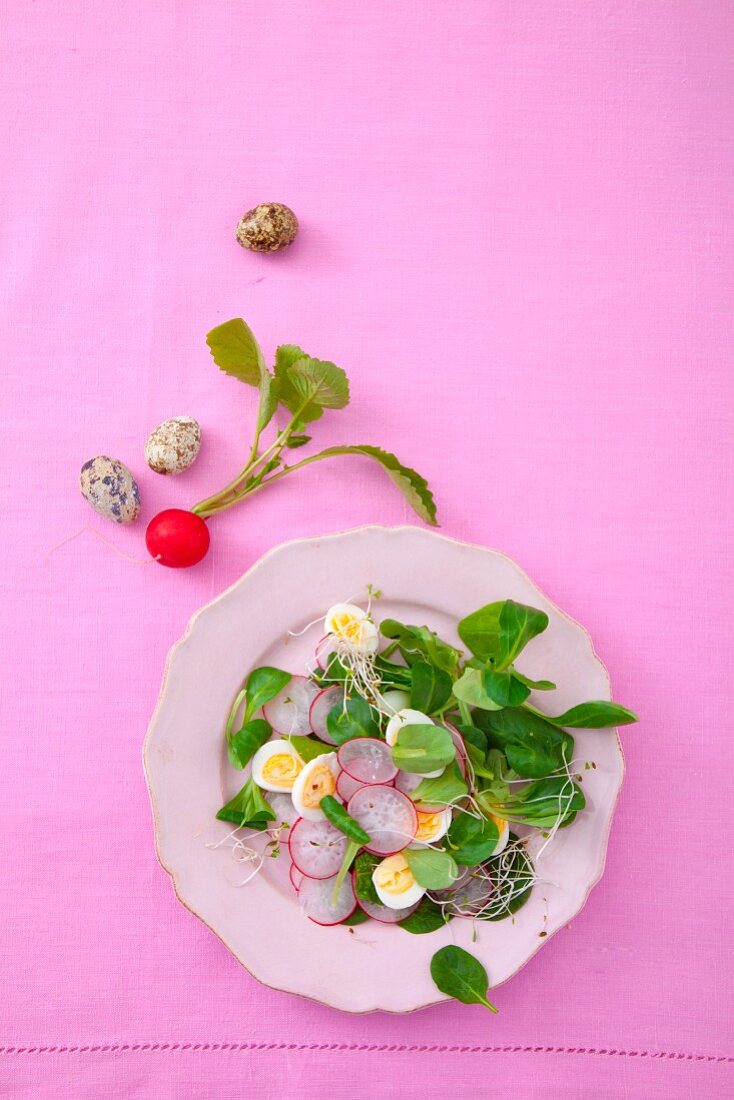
(387, 815)
(407, 783)
(383, 914)
(324, 649)
(460, 749)
(346, 786)
(317, 848)
(325, 701)
(367, 760)
(284, 810)
(296, 877)
(287, 713)
(468, 896)
(316, 899)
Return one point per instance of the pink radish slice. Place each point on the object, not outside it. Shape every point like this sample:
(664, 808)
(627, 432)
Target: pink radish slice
(460, 749)
(367, 760)
(287, 713)
(316, 848)
(387, 815)
(325, 701)
(296, 877)
(283, 808)
(383, 913)
(346, 786)
(324, 649)
(315, 897)
(468, 895)
(407, 783)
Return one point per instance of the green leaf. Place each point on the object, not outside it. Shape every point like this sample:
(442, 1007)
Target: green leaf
(446, 789)
(428, 917)
(341, 820)
(297, 441)
(470, 689)
(358, 917)
(422, 748)
(594, 715)
(533, 746)
(518, 625)
(499, 631)
(353, 718)
(461, 976)
(472, 840)
(410, 483)
(285, 356)
(308, 748)
(534, 685)
(236, 352)
(243, 744)
(432, 868)
(543, 804)
(248, 808)
(419, 643)
(308, 386)
(364, 887)
(430, 688)
(504, 688)
(262, 685)
(393, 675)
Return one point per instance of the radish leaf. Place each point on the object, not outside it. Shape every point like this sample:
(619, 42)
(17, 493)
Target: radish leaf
(413, 487)
(236, 352)
(308, 386)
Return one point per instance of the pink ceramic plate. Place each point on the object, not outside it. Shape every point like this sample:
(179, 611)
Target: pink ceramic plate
(424, 578)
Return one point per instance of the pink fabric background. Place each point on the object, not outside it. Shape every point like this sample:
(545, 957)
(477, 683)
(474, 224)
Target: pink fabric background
(517, 239)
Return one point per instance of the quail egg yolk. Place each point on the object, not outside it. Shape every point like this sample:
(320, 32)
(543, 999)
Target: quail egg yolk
(428, 826)
(393, 875)
(321, 782)
(281, 769)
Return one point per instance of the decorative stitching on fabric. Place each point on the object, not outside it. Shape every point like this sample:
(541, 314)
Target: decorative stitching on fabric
(376, 1048)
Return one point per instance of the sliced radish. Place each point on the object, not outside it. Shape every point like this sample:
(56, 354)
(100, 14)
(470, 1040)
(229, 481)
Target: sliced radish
(325, 701)
(407, 783)
(367, 760)
(317, 848)
(283, 808)
(383, 914)
(296, 877)
(324, 649)
(387, 815)
(346, 786)
(468, 896)
(460, 748)
(287, 713)
(315, 897)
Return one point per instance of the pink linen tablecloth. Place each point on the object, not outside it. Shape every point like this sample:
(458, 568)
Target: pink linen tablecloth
(517, 239)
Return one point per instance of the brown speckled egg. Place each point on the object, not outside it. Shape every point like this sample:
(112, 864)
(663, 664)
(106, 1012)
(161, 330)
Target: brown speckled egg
(267, 227)
(174, 445)
(110, 488)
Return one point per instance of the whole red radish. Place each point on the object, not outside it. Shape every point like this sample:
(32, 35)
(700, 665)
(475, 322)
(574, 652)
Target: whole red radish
(177, 538)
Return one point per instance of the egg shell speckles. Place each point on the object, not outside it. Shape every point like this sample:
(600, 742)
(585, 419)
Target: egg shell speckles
(173, 446)
(110, 488)
(268, 227)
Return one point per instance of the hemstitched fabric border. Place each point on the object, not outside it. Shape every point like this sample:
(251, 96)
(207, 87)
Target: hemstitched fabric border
(378, 1048)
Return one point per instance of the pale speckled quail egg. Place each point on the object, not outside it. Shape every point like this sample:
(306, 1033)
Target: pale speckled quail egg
(110, 488)
(431, 827)
(317, 779)
(394, 883)
(409, 717)
(268, 227)
(276, 766)
(352, 627)
(173, 446)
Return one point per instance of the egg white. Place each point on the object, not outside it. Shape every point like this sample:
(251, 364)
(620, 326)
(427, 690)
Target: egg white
(263, 754)
(444, 821)
(313, 813)
(411, 896)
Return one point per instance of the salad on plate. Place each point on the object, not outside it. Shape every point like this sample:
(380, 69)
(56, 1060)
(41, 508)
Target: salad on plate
(409, 781)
